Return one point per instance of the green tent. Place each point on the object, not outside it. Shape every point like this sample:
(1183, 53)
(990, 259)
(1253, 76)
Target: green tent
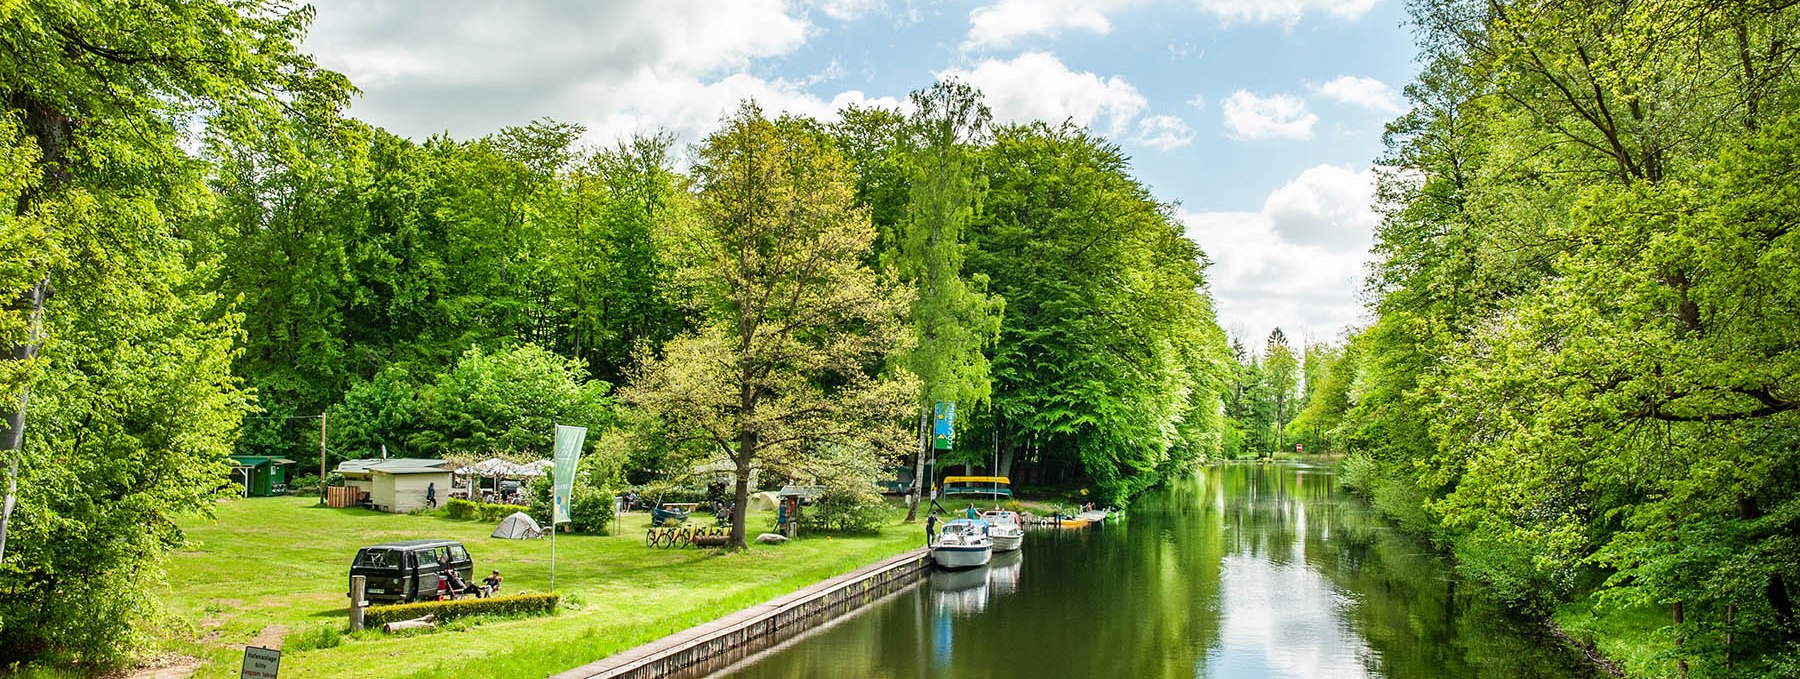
(260, 475)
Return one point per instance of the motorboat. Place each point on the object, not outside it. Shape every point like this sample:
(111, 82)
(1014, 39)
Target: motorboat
(1005, 529)
(963, 543)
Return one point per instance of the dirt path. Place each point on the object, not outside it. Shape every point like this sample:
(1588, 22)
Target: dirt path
(270, 637)
(168, 668)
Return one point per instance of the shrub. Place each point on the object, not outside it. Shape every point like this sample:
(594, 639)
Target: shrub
(492, 513)
(846, 509)
(462, 510)
(519, 605)
(304, 485)
(591, 511)
(1013, 506)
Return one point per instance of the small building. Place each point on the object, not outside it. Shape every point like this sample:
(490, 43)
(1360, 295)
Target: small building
(397, 484)
(260, 475)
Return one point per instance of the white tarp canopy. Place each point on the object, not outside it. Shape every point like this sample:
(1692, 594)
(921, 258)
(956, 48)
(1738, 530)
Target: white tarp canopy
(494, 467)
(518, 526)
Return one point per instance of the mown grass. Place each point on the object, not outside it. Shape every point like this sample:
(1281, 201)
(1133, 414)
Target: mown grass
(284, 561)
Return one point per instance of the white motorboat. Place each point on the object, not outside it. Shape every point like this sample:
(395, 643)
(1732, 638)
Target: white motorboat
(963, 543)
(1005, 529)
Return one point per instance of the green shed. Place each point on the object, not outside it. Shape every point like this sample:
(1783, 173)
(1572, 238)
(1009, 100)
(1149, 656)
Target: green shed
(260, 475)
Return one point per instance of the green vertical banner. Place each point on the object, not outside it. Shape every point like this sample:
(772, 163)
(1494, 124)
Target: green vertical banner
(568, 454)
(944, 432)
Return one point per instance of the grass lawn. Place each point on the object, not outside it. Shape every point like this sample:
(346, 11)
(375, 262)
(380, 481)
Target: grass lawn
(266, 564)
(1632, 638)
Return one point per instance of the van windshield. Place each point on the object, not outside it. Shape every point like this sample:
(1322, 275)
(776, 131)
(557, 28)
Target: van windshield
(378, 558)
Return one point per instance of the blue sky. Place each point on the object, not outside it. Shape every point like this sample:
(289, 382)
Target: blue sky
(1259, 117)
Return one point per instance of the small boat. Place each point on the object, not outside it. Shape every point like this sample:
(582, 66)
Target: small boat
(989, 486)
(1069, 523)
(963, 543)
(1093, 516)
(1005, 529)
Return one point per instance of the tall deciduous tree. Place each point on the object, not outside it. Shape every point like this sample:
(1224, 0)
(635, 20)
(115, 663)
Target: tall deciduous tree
(953, 319)
(796, 333)
(138, 404)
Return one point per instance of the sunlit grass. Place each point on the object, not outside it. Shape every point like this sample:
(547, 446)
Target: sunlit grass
(284, 562)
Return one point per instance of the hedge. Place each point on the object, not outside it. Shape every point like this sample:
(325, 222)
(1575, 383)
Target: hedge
(509, 605)
(466, 510)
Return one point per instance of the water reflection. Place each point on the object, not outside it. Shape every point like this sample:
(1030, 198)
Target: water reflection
(1244, 571)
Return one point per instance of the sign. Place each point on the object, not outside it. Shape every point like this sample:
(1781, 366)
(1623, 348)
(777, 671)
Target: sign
(568, 453)
(260, 663)
(1299, 448)
(944, 432)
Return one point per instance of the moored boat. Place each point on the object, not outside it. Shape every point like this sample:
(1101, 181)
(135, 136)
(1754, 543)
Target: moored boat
(963, 543)
(1005, 529)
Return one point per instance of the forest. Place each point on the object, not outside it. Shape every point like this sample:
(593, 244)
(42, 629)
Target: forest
(1580, 376)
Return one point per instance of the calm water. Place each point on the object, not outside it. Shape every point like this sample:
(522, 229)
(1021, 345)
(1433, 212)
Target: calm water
(1246, 571)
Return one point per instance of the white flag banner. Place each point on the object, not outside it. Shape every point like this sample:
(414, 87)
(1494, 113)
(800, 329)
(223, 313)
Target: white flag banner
(568, 454)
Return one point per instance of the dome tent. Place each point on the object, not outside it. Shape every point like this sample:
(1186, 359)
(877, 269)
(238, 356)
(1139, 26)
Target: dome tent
(518, 526)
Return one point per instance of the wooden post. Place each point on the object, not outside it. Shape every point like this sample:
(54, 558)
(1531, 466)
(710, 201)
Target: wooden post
(358, 586)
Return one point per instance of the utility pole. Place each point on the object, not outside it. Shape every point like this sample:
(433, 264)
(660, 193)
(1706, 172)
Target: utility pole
(321, 457)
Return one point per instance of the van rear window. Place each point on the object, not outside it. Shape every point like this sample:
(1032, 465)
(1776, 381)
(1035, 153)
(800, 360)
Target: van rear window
(378, 558)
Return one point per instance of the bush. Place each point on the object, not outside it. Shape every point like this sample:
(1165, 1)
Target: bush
(304, 485)
(469, 510)
(462, 510)
(514, 605)
(591, 511)
(846, 509)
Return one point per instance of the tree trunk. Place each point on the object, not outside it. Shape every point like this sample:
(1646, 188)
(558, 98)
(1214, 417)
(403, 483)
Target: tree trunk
(51, 130)
(919, 480)
(741, 499)
(1681, 664)
(1007, 450)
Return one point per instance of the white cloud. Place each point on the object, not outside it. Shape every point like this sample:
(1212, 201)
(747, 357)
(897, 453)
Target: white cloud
(1198, 102)
(848, 10)
(1164, 132)
(1037, 86)
(1248, 116)
(999, 24)
(1368, 93)
(1283, 11)
(1298, 262)
(619, 67)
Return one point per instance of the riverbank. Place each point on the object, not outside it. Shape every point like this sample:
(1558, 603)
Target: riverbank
(272, 571)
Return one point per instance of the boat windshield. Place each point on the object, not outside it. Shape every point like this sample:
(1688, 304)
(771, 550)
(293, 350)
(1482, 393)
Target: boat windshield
(1001, 518)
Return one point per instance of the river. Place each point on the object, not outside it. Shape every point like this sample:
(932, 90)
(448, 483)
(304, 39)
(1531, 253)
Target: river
(1244, 571)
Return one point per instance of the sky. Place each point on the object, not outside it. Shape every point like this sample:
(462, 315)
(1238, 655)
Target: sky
(1258, 119)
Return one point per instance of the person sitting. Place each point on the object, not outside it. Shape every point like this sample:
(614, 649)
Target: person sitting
(491, 583)
(458, 587)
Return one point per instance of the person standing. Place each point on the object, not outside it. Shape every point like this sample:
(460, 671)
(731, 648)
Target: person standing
(931, 523)
(431, 494)
(972, 513)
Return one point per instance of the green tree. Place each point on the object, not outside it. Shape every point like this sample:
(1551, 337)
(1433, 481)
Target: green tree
(1109, 322)
(509, 400)
(795, 330)
(953, 319)
(135, 402)
(1283, 370)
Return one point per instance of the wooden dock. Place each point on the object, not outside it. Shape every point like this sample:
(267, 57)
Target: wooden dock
(758, 626)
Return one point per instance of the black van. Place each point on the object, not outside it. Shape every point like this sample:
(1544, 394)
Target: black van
(408, 571)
